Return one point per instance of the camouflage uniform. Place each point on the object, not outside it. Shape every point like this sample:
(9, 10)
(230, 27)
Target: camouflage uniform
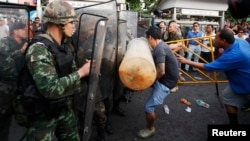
(12, 60)
(42, 65)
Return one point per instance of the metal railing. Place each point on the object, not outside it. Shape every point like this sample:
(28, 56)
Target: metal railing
(200, 76)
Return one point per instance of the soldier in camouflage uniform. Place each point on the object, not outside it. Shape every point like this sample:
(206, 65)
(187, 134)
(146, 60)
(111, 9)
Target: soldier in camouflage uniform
(56, 76)
(12, 50)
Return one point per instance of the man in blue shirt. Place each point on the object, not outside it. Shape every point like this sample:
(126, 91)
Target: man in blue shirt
(193, 46)
(235, 62)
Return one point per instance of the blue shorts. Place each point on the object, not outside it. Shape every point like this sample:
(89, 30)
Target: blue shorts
(230, 98)
(157, 97)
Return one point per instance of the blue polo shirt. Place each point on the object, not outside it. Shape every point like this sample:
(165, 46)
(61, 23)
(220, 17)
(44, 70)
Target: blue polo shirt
(235, 62)
(192, 34)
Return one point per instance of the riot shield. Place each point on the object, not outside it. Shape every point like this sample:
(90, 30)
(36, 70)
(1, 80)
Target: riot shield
(14, 23)
(121, 49)
(107, 72)
(132, 20)
(90, 42)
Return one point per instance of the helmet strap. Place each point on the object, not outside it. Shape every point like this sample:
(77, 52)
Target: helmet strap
(62, 28)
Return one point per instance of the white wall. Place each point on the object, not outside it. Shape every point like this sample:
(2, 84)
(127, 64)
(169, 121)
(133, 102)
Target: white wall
(10, 1)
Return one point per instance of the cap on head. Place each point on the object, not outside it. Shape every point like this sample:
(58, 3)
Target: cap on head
(59, 12)
(18, 25)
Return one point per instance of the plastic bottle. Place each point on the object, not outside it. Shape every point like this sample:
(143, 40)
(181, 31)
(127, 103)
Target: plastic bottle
(197, 78)
(186, 102)
(166, 109)
(201, 103)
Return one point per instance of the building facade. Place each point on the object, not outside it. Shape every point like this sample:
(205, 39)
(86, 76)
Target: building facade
(185, 12)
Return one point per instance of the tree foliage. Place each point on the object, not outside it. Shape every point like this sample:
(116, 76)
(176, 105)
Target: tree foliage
(136, 5)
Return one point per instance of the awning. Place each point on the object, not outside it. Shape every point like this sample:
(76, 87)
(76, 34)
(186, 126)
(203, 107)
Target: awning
(216, 5)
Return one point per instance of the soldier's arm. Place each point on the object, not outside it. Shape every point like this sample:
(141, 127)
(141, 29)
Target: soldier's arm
(41, 65)
(7, 68)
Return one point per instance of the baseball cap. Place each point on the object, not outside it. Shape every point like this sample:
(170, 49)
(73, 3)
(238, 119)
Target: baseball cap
(17, 25)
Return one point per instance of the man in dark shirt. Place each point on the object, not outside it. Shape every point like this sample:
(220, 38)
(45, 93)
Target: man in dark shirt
(38, 26)
(166, 78)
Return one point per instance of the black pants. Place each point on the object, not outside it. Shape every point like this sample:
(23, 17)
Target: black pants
(5, 121)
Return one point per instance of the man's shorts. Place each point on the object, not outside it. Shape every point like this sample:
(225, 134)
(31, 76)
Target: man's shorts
(230, 98)
(157, 97)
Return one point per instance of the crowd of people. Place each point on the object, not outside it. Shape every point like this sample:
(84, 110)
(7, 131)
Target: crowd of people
(53, 77)
(233, 60)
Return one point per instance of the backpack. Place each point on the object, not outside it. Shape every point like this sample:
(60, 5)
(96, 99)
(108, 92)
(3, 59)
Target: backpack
(29, 103)
(25, 94)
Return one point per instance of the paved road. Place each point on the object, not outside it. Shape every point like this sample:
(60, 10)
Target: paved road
(179, 125)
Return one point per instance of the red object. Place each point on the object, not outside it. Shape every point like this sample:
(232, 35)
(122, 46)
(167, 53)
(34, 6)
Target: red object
(186, 102)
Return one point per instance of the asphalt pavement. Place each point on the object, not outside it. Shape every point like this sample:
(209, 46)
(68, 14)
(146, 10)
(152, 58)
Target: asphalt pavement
(178, 125)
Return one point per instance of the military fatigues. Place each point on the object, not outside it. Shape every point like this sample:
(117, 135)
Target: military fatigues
(56, 80)
(54, 71)
(12, 60)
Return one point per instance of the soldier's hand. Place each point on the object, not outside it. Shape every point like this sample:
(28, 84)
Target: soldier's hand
(85, 69)
(24, 47)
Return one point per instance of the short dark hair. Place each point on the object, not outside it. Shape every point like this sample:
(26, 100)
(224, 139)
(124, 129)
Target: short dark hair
(210, 25)
(171, 21)
(17, 25)
(154, 32)
(162, 22)
(241, 29)
(196, 23)
(227, 34)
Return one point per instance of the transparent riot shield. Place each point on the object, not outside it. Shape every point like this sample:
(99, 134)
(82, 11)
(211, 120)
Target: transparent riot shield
(14, 23)
(121, 49)
(13, 36)
(107, 71)
(107, 9)
(132, 20)
(90, 42)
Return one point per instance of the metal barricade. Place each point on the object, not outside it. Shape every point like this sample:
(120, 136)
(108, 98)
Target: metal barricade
(200, 76)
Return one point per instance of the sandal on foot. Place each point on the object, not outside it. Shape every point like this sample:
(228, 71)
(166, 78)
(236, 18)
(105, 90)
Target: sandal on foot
(146, 133)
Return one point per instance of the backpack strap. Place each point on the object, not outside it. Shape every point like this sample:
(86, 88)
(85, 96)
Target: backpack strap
(47, 36)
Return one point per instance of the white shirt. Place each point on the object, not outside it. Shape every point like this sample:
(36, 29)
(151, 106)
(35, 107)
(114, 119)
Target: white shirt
(206, 41)
(3, 31)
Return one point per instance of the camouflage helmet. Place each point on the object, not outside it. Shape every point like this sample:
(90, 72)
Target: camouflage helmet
(59, 12)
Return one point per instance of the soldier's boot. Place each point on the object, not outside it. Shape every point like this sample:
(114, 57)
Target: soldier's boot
(100, 134)
(109, 128)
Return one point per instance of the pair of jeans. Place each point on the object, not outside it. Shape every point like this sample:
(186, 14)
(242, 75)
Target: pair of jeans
(157, 97)
(193, 49)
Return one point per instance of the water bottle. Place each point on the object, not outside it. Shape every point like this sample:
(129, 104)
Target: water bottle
(166, 109)
(186, 102)
(202, 103)
(197, 78)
